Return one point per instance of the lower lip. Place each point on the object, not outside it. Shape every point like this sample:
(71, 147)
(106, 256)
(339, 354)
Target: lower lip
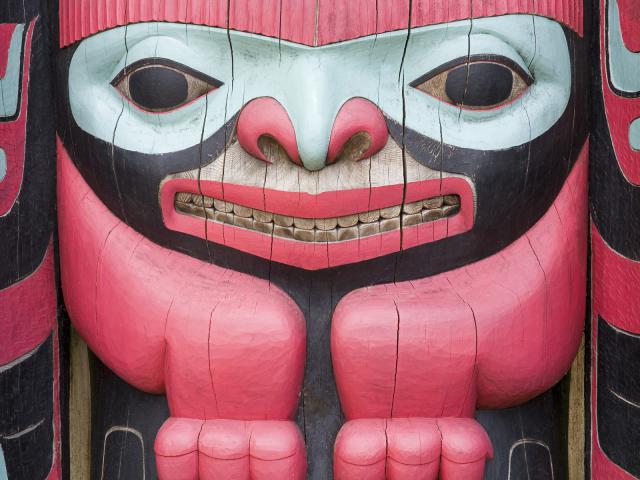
(315, 256)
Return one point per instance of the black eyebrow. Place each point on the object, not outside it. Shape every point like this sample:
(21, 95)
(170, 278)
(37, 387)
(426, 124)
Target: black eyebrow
(482, 57)
(159, 61)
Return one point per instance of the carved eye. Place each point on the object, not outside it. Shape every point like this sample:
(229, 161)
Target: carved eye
(161, 85)
(480, 82)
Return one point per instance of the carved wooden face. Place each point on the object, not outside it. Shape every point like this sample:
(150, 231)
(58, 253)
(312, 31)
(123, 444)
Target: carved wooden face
(325, 157)
(442, 144)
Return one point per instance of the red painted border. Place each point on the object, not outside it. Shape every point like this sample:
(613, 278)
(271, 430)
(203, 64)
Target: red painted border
(313, 256)
(296, 20)
(619, 113)
(28, 311)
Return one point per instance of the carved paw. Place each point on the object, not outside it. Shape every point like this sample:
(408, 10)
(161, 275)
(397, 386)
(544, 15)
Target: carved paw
(188, 449)
(411, 448)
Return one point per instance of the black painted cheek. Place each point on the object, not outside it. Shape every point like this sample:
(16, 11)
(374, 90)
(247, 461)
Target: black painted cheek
(158, 88)
(618, 407)
(479, 84)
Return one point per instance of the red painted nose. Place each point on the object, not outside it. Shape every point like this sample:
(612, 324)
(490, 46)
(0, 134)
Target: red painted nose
(359, 131)
(359, 128)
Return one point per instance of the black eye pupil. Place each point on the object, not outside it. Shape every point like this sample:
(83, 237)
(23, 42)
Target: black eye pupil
(479, 84)
(158, 88)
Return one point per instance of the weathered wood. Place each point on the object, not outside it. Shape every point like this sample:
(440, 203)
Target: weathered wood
(374, 238)
(30, 430)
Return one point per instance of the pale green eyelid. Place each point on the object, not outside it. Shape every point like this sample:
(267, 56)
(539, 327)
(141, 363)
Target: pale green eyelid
(312, 83)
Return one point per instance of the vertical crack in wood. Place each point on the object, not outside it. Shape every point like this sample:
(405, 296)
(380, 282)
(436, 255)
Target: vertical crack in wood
(466, 82)
(211, 369)
(198, 445)
(475, 352)
(395, 373)
(123, 445)
(115, 130)
(546, 287)
(200, 166)
(386, 448)
(524, 444)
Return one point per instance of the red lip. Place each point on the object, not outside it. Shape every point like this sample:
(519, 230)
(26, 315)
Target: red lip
(314, 256)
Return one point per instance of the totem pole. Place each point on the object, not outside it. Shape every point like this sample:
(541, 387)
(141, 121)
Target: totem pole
(312, 239)
(29, 356)
(615, 238)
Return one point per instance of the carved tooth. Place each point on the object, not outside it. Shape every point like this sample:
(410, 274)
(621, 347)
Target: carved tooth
(261, 216)
(223, 206)
(368, 229)
(435, 202)
(390, 212)
(284, 232)
(390, 224)
(283, 220)
(451, 200)
(348, 221)
(326, 223)
(208, 202)
(264, 227)
(223, 217)
(431, 215)
(347, 233)
(241, 211)
(325, 236)
(303, 235)
(183, 197)
(192, 209)
(369, 217)
(198, 200)
(409, 220)
(304, 223)
(243, 222)
(449, 210)
(412, 208)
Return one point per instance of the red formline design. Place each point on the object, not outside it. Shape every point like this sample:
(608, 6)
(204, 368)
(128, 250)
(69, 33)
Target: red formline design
(28, 311)
(6, 33)
(615, 298)
(619, 111)
(297, 20)
(629, 21)
(615, 285)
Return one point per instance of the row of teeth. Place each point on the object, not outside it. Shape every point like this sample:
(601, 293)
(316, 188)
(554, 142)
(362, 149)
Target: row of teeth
(323, 230)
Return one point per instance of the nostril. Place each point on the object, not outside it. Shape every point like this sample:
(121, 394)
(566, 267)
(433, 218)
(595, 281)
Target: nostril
(355, 148)
(272, 150)
(359, 131)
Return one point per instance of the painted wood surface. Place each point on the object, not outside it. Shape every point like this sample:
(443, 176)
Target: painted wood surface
(299, 272)
(615, 392)
(30, 429)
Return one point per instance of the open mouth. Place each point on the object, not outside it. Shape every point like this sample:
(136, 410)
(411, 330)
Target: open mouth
(322, 230)
(347, 212)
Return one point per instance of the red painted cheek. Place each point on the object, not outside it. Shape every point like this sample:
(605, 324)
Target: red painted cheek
(220, 344)
(492, 334)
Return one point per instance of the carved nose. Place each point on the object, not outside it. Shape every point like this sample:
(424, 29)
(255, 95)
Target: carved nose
(264, 123)
(265, 130)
